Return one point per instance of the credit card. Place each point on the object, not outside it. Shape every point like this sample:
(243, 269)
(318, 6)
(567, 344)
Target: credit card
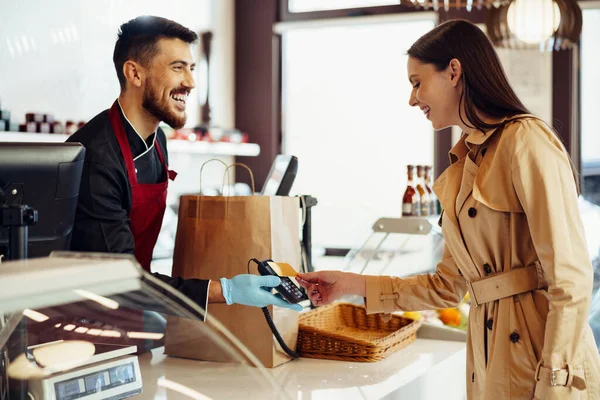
(283, 269)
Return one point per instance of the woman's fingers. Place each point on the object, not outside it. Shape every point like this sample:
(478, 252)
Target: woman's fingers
(317, 301)
(314, 294)
(304, 283)
(312, 277)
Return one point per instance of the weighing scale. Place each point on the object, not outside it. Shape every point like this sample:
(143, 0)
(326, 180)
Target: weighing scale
(69, 369)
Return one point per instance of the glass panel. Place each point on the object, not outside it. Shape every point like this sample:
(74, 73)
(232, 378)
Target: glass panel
(296, 6)
(397, 254)
(347, 119)
(104, 330)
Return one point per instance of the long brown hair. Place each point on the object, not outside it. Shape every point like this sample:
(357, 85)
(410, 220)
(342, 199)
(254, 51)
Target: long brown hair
(485, 85)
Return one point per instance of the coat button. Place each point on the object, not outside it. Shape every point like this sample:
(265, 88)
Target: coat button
(514, 337)
(489, 324)
(472, 212)
(487, 268)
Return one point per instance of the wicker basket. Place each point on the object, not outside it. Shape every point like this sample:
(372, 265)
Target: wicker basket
(344, 331)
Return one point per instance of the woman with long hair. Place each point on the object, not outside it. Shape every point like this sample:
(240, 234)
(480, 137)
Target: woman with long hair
(512, 231)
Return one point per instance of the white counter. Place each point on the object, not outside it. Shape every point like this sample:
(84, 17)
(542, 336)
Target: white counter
(174, 146)
(425, 369)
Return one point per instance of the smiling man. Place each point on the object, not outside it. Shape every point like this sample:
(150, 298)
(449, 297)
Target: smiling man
(123, 190)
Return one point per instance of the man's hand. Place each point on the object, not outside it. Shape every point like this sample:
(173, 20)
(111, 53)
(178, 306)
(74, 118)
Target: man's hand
(250, 290)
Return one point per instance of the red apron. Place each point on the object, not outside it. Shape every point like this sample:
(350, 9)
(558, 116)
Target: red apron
(148, 202)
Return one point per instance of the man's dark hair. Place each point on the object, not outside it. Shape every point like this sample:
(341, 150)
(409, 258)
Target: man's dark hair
(137, 40)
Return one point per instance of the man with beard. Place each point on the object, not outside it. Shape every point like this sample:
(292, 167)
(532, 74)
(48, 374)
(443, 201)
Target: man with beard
(123, 191)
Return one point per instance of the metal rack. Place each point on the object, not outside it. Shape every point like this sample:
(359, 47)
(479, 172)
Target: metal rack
(357, 261)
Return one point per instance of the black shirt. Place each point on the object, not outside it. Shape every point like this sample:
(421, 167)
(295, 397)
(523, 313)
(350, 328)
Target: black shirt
(102, 218)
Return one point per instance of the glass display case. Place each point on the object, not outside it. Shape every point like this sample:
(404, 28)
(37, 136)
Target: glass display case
(76, 326)
(405, 247)
(399, 247)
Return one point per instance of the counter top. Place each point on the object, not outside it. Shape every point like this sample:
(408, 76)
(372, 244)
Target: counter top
(425, 369)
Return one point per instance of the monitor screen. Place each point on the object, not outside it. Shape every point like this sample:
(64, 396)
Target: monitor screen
(281, 176)
(50, 174)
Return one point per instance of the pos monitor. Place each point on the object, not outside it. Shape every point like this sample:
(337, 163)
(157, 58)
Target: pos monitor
(45, 177)
(281, 176)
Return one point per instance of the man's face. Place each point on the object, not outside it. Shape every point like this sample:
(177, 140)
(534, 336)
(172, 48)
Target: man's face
(169, 82)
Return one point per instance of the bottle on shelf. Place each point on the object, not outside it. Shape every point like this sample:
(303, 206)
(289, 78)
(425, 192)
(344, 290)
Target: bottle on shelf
(34, 117)
(29, 127)
(5, 116)
(43, 127)
(57, 128)
(70, 127)
(433, 201)
(411, 204)
(423, 193)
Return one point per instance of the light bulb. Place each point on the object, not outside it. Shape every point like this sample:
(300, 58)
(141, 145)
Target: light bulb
(533, 21)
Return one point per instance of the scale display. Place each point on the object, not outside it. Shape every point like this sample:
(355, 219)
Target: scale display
(96, 382)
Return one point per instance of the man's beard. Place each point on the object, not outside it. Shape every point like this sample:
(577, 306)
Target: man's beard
(151, 102)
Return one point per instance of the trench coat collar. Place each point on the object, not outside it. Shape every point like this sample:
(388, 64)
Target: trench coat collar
(478, 137)
(447, 186)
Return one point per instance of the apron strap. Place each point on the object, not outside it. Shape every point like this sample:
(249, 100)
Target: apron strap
(117, 125)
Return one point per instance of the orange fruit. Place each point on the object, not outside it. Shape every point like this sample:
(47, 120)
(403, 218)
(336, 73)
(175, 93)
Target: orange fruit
(450, 316)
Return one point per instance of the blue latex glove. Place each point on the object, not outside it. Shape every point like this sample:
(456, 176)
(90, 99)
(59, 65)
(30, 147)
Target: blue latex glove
(250, 290)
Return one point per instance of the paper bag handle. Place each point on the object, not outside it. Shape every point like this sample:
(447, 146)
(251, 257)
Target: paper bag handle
(214, 159)
(241, 165)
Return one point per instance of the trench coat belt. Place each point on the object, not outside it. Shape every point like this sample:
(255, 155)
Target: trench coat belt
(504, 284)
(561, 376)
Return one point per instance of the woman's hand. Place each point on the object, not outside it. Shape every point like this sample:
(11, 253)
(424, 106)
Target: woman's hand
(325, 287)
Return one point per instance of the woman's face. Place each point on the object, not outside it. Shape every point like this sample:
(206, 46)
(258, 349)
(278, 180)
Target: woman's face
(436, 93)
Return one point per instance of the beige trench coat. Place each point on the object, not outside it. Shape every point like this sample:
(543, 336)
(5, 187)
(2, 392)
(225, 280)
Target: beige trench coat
(509, 200)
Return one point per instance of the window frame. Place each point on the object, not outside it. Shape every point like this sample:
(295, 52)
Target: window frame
(286, 16)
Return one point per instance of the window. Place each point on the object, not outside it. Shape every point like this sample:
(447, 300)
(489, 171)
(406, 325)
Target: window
(590, 150)
(347, 119)
(297, 6)
(590, 104)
